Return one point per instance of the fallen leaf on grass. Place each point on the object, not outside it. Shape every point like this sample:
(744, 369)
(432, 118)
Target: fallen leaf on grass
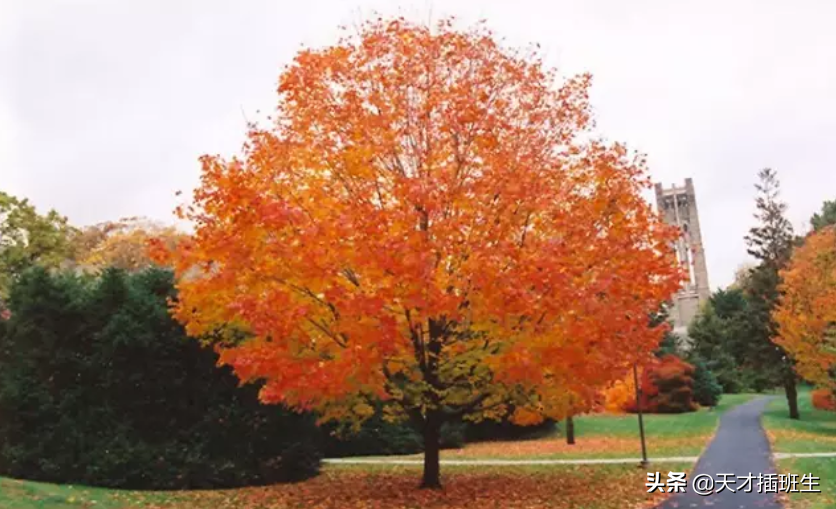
(583, 486)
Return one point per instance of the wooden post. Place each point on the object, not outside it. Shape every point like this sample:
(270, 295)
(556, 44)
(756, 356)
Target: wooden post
(644, 462)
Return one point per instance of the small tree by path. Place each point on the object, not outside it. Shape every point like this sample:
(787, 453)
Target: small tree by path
(771, 242)
(427, 223)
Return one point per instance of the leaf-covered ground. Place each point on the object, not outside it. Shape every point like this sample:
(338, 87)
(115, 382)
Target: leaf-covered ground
(825, 469)
(588, 487)
(815, 432)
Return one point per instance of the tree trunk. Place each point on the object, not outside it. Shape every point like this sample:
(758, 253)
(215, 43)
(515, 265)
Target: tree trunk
(432, 448)
(792, 396)
(570, 430)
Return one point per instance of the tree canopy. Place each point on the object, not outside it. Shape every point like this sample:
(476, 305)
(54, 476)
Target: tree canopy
(121, 244)
(429, 221)
(771, 240)
(721, 337)
(826, 217)
(29, 239)
(806, 317)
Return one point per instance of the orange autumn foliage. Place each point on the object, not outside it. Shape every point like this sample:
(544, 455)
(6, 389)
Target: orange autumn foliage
(806, 316)
(428, 221)
(823, 399)
(620, 395)
(123, 244)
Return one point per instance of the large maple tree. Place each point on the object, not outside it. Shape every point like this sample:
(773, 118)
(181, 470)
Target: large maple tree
(427, 220)
(806, 316)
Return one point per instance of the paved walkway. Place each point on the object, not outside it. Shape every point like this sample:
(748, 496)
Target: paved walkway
(740, 448)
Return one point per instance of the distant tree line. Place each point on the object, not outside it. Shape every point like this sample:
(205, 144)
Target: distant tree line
(736, 334)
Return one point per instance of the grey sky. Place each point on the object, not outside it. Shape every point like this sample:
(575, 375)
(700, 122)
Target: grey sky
(106, 105)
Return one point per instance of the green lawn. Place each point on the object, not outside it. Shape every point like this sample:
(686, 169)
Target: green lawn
(815, 432)
(671, 425)
(824, 469)
(666, 435)
(612, 436)
(34, 495)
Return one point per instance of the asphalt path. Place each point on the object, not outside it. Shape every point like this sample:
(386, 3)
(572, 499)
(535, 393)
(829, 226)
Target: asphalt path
(740, 449)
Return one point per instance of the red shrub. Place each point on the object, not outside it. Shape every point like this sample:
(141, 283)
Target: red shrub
(667, 386)
(823, 399)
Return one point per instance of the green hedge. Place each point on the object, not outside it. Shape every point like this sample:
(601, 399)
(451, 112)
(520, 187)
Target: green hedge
(98, 385)
(377, 437)
(507, 430)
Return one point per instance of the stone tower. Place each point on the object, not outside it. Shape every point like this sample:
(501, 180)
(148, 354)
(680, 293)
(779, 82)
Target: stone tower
(678, 207)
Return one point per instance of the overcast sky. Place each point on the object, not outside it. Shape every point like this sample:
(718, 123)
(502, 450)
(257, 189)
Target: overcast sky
(106, 105)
